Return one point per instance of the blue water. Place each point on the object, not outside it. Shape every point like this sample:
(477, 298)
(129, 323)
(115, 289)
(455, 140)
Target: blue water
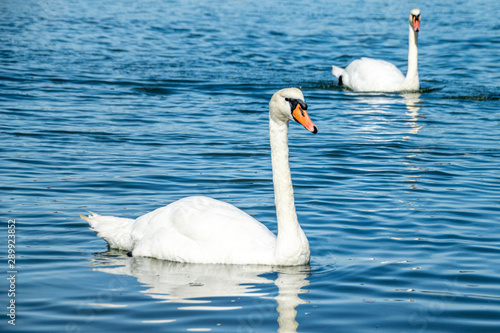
(122, 107)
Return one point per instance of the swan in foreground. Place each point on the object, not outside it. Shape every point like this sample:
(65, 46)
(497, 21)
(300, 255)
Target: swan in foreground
(204, 230)
(367, 74)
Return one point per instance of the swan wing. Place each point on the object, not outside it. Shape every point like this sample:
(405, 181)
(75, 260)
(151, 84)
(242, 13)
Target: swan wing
(367, 74)
(202, 230)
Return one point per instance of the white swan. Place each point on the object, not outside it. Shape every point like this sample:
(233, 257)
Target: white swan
(204, 230)
(367, 74)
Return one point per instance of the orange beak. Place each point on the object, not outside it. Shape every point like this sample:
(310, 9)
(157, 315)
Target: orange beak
(300, 115)
(416, 23)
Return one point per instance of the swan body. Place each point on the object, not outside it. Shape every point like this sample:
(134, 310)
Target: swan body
(375, 75)
(200, 229)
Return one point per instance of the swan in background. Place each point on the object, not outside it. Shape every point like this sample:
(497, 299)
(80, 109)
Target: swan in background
(204, 230)
(367, 74)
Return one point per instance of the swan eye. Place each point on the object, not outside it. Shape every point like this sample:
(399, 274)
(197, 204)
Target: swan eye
(294, 102)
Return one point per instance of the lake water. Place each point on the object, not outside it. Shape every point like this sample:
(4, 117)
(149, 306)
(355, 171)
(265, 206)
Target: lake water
(123, 107)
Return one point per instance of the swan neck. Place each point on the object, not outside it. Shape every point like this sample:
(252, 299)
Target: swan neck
(291, 245)
(412, 80)
(282, 179)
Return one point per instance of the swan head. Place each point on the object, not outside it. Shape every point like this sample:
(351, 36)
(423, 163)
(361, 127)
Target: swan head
(289, 104)
(414, 20)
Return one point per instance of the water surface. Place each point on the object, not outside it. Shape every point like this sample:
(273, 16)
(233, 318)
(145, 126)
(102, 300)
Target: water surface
(123, 107)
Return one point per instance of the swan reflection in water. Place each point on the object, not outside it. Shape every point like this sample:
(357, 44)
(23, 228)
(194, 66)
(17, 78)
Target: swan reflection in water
(412, 100)
(192, 285)
(379, 103)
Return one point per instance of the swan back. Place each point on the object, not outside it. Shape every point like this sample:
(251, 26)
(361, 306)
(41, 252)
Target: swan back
(367, 74)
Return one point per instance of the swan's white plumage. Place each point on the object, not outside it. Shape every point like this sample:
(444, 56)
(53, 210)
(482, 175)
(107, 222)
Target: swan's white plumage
(204, 230)
(375, 75)
(200, 229)
(367, 74)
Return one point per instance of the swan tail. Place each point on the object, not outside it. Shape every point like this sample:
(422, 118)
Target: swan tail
(116, 231)
(337, 71)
